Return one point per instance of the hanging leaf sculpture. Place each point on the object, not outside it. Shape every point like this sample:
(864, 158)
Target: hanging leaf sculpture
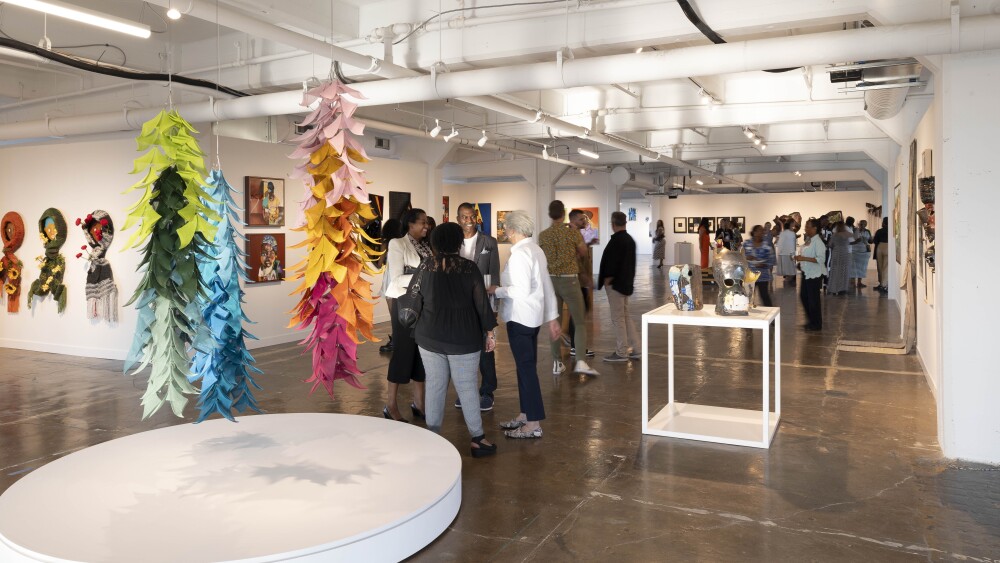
(225, 365)
(336, 302)
(175, 228)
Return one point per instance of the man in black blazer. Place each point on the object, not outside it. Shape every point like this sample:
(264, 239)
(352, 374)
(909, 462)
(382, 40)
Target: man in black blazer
(483, 250)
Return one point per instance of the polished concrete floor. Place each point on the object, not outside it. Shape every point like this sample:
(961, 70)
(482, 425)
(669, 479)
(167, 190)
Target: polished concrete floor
(855, 472)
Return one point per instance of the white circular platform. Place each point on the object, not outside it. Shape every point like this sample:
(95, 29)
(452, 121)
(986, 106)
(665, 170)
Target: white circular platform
(304, 487)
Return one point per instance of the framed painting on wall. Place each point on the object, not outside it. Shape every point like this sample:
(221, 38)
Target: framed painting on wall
(264, 201)
(693, 224)
(483, 217)
(680, 224)
(445, 204)
(502, 236)
(895, 224)
(592, 233)
(266, 257)
(711, 226)
(399, 203)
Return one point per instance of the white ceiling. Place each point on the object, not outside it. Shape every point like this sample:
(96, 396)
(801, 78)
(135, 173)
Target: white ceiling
(810, 125)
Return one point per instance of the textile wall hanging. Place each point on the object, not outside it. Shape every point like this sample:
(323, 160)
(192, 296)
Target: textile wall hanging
(11, 267)
(176, 229)
(222, 363)
(102, 293)
(336, 301)
(52, 231)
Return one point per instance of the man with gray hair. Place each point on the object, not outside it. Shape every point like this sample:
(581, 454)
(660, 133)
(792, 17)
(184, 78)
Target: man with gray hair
(563, 246)
(482, 249)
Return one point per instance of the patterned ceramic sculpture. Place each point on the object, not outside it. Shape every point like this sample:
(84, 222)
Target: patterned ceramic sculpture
(730, 273)
(685, 285)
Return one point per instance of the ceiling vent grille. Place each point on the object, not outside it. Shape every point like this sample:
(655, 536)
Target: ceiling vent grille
(827, 186)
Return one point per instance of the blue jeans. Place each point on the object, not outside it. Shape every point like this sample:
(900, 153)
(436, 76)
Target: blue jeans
(524, 346)
(461, 369)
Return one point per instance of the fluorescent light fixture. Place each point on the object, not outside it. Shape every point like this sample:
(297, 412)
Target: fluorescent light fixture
(587, 153)
(699, 182)
(83, 15)
(545, 152)
(451, 135)
(174, 14)
(482, 140)
(436, 130)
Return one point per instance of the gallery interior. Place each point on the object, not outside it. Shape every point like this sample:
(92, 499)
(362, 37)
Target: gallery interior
(209, 129)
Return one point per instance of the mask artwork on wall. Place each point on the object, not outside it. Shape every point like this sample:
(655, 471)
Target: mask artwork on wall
(11, 267)
(102, 293)
(52, 231)
(735, 287)
(685, 285)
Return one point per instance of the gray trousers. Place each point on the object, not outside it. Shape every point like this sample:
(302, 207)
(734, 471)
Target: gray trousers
(463, 371)
(567, 289)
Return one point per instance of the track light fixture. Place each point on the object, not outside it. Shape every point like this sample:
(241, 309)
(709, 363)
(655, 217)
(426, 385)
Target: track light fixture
(537, 118)
(482, 140)
(699, 182)
(83, 15)
(763, 146)
(748, 132)
(589, 154)
(756, 140)
(173, 13)
(451, 135)
(797, 173)
(545, 152)
(436, 130)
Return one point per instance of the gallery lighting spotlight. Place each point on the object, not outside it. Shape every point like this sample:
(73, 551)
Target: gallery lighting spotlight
(639, 50)
(451, 135)
(797, 173)
(545, 152)
(705, 98)
(763, 146)
(699, 182)
(748, 132)
(583, 171)
(482, 140)
(756, 140)
(83, 15)
(174, 14)
(437, 128)
(590, 154)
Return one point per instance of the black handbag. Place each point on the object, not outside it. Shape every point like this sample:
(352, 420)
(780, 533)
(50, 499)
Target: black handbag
(410, 304)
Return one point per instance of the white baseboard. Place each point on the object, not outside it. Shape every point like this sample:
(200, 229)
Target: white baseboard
(53, 348)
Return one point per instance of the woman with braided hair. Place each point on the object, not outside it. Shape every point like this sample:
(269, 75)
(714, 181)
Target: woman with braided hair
(12, 232)
(52, 231)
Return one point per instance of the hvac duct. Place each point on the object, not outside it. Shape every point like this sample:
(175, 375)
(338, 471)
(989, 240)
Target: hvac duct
(977, 33)
(883, 104)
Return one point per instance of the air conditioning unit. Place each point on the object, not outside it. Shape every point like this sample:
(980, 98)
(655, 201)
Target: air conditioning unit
(383, 143)
(828, 186)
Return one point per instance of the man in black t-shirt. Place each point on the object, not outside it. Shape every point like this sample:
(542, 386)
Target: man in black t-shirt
(881, 256)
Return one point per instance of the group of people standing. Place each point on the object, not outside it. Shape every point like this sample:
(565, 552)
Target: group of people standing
(464, 296)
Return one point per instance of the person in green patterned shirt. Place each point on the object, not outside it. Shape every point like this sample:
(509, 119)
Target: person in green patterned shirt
(563, 246)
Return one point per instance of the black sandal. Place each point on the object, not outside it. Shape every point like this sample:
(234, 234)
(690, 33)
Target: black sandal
(417, 413)
(387, 414)
(479, 449)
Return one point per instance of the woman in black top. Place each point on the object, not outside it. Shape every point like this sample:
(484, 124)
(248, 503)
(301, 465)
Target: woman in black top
(455, 319)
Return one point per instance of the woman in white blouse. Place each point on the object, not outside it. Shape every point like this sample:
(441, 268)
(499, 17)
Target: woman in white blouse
(527, 301)
(785, 250)
(405, 255)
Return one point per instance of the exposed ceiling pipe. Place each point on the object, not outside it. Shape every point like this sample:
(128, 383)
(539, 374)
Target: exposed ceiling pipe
(976, 33)
(399, 129)
(210, 11)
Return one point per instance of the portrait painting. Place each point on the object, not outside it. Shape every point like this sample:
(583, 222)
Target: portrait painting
(266, 257)
(502, 236)
(264, 201)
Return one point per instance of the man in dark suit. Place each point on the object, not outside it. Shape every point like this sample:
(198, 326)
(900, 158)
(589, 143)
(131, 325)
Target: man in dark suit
(483, 250)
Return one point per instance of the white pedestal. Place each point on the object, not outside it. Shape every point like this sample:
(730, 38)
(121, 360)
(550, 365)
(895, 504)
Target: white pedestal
(303, 487)
(721, 425)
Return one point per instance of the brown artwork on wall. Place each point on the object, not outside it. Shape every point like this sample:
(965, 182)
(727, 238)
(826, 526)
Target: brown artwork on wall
(264, 201)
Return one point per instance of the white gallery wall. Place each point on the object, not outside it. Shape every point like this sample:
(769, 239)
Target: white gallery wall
(79, 177)
(758, 209)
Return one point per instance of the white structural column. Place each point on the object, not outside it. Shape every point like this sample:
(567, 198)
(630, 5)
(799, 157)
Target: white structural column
(967, 302)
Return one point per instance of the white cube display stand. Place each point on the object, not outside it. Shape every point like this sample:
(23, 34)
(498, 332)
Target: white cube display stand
(284, 487)
(683, 253)
(740, 427)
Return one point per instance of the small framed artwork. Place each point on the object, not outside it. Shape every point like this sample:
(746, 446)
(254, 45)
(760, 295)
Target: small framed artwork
(266, 257)
(680, 224)
(399, 203)
(693, 224)
(483, 216)
(740, 223)
(711, 225)
(264, 201)
(719, 222)
(502, 236)
(445, 208)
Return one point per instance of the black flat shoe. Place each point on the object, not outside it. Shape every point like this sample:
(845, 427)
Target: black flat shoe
(417, 413)
(387, 414)
(482, 450)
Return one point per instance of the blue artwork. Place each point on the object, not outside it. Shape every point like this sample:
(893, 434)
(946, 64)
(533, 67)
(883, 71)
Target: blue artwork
(483, 217)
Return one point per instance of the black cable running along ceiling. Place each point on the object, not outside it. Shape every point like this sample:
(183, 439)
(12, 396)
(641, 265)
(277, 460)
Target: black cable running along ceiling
(113, 71)
(694, 18)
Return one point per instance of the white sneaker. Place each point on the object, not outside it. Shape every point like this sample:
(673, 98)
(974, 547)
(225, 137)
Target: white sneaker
(558, 367)
(582, 367)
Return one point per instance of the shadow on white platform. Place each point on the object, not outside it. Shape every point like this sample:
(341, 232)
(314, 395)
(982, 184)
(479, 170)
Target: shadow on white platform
(303, 487)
